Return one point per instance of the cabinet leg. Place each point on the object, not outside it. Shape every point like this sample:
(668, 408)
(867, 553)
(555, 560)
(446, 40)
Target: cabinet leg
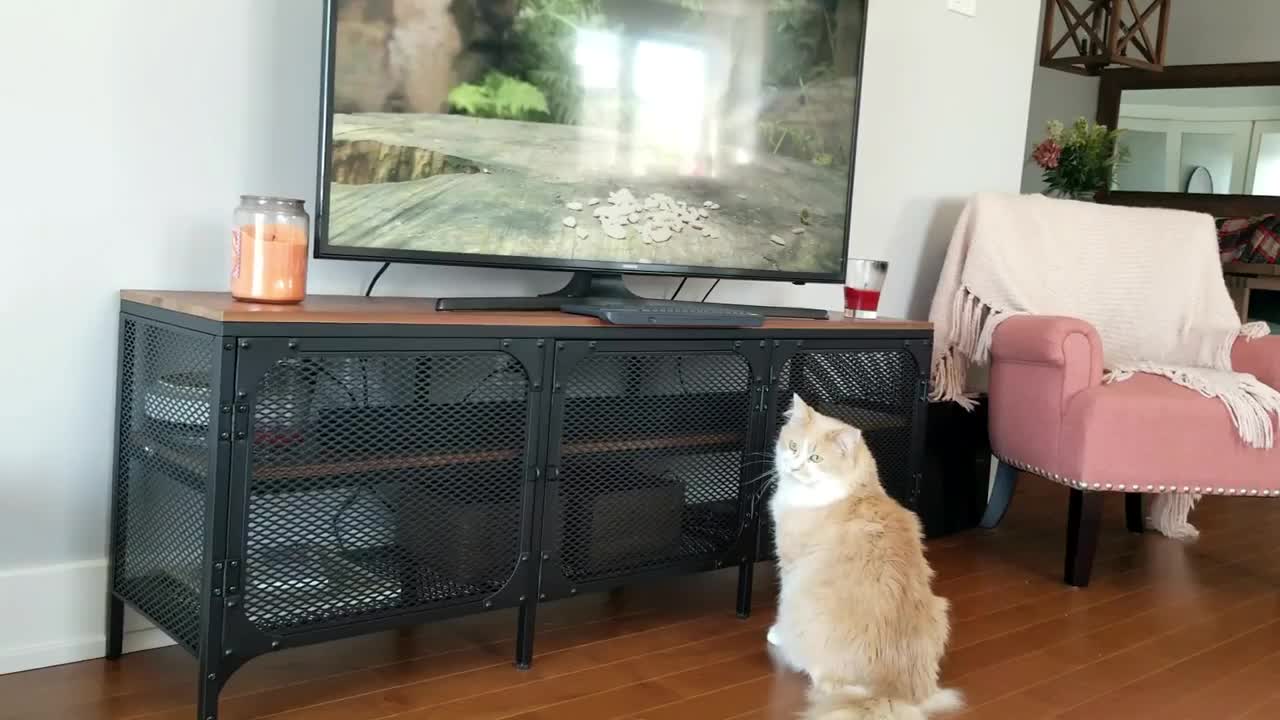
(524, 633)
(746, 576)
(211, 681)
(115, 626)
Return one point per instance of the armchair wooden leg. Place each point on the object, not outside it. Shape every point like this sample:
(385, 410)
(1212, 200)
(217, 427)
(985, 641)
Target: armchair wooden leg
(1133, 513)
(1001, 495)
(1084, 523)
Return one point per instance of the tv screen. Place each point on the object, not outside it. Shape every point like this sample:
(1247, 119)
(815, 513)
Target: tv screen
(702, 137)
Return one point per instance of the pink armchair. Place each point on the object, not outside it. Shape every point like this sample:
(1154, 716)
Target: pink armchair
(1051, 415)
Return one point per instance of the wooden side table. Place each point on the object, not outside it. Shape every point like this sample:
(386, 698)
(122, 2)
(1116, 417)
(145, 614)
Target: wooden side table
(1244, 278)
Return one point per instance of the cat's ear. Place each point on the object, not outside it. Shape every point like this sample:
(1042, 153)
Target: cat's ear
(847, 439)
(800, 411)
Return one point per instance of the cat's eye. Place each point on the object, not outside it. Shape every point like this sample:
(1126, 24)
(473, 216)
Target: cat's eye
(815, 458)
(793, 445)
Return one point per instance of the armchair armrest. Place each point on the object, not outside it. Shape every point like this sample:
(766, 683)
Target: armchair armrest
(1260, 358)
(1059, 342)
(1038, 365)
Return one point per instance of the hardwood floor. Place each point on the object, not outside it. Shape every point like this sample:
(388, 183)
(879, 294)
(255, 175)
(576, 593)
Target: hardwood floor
(1167, 630)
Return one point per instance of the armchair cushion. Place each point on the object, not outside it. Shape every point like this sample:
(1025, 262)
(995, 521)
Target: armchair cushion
(1148, 431)
(1050, 411)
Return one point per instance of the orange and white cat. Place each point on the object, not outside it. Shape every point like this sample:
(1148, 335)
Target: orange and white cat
(856, 611)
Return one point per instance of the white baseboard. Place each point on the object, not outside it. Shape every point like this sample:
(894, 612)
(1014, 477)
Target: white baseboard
(56, 614)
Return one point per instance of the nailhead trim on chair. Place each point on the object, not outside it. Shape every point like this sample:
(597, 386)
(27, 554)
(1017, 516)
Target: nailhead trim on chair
(1153, 489)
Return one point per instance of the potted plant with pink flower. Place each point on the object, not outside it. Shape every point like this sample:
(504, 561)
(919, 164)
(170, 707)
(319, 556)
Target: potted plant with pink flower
(1079, 161)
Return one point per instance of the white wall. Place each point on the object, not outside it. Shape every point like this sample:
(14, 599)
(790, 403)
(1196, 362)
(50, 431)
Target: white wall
(1223, 31)
(1055, 95)
(131, 126)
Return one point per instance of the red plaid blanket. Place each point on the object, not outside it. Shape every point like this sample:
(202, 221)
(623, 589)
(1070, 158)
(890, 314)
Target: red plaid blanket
(1250, 240)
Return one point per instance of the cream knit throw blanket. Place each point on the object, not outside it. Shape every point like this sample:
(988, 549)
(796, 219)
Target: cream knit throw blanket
(1150, 282)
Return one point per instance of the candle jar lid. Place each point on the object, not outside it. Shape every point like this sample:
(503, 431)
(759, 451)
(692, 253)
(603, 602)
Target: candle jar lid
(269, 200)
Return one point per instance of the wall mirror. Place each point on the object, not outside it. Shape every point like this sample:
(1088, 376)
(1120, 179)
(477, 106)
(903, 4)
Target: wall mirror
(1197, 130)
(1229, 136)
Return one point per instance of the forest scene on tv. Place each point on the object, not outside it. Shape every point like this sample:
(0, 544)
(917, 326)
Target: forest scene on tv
(701, 133)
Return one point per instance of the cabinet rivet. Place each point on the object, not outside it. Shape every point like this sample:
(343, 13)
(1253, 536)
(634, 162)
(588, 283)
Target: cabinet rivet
(229, 346)
(244, 344)
(762, 343)
(217, 592)
(217, 566)
(228, 652)
(542, 596)
(542, 343)
(224, 436)
(226, 409)
(293, 344)
(737, 343)
(235, 563)
(213, 676)
(523, 598)
(524, 556)
(506, 343)
(241, 435)
(592, 344)
(777, 343)
(488, 603)
(573, 591)
(546, 556)
(231, 603)
(559, 346)
(275, 644)
(232, 589)
(242, 394)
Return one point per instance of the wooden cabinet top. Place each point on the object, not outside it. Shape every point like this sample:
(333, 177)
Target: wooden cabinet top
(357, 310)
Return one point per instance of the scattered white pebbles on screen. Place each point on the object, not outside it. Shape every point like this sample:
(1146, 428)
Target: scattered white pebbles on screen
(656, 218)
(570, 222)
(776, 240)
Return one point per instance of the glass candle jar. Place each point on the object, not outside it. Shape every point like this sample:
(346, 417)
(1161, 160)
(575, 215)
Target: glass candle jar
(269, 250)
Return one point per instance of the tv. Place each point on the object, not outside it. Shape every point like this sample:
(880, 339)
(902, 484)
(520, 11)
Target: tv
(707, 138)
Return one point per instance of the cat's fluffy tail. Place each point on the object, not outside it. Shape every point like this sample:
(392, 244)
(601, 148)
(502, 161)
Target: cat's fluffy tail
(857, 706)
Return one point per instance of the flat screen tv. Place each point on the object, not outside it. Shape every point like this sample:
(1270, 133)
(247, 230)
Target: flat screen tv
(680, 137)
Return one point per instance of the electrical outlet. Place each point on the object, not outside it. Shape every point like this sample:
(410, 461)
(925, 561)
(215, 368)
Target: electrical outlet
(964, 7)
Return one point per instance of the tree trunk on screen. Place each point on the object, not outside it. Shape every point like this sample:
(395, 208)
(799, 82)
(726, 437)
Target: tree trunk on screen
(848, 40)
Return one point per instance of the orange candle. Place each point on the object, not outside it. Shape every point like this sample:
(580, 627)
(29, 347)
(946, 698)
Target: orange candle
(269, 263)
(269, 250)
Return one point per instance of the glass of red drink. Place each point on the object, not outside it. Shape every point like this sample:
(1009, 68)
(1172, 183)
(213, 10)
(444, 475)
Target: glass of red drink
(862, 289)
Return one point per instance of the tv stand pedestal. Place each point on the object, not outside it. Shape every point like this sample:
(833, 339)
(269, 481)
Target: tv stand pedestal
(588, 286)
(292, 474)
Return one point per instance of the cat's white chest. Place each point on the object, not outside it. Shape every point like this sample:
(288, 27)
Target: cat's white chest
(792, 494)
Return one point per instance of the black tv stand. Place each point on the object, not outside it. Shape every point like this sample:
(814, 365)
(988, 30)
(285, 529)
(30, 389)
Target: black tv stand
(590, 286)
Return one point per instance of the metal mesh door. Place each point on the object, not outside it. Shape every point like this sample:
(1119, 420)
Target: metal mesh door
(651, 459)
(877, 391)
(166, 397)
(383, 482)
